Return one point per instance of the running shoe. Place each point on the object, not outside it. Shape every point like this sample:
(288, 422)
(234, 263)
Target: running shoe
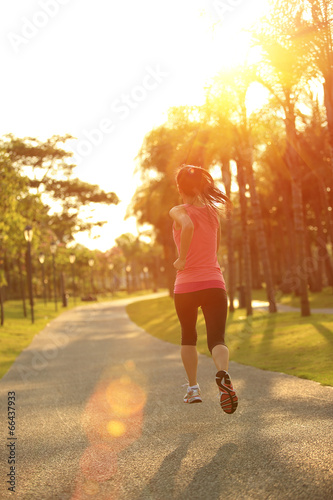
(193, 395)
(228, 396)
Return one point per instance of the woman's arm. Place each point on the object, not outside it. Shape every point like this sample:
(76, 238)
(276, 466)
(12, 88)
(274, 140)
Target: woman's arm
(183, 222)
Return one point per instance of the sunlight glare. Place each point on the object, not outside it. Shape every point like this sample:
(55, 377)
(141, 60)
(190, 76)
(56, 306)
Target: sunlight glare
(116, 428)
(125, 397)
(99, 462)
(256, 97)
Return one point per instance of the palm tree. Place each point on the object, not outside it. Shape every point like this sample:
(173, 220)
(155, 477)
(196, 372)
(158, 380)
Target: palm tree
(231, 101)
(310, 27)
(282, 71)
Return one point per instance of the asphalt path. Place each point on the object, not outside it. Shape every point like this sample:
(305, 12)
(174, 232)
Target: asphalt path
(99, 414)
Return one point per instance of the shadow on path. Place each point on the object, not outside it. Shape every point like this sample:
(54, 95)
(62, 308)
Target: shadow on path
(207, 481)
(162, 484)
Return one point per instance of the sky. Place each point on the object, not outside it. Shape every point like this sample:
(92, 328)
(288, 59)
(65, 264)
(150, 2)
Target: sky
(107, 72)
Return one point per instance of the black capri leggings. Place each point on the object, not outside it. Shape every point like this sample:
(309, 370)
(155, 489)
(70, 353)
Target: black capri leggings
(214, 305)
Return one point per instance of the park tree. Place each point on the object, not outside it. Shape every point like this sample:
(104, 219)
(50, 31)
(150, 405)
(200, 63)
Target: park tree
(229, 103)
(163, 150)
(284, 70)
(184, 138)
(12, 220)
(48, 169)
(38, 189)
(316, 177)
(313, 27)
(157, 162)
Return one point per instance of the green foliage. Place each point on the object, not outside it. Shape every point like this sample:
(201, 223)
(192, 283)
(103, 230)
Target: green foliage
(41, 173)
(12, 192)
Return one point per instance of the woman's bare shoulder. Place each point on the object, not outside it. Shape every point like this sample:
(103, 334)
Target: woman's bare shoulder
(177, 210)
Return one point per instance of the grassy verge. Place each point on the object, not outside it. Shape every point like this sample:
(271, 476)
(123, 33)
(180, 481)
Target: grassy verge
(317, 300)
(282, 342)
(17, 332)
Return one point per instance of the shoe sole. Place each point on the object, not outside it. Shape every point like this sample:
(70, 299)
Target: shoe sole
(231, 400)
(194, 400)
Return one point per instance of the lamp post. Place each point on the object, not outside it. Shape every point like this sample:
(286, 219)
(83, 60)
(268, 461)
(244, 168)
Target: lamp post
(53, 249)
(28, 233)
(41, 259)
(111, 267)
(91, 263)
(72, 258)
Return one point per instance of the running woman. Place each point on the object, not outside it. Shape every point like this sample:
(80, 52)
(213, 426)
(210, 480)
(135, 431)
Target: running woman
(199, 281)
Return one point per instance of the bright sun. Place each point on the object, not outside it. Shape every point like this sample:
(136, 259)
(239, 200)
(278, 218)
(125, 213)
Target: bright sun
(191, 41)
(223, 44)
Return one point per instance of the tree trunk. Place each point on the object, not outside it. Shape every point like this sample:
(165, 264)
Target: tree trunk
(321, 246)
(324, 200)
(231, 264)
(226, 179)
(292, 161)
(311, 267)
(328, 102)
(245, 236)
(256, 268)
(261, 239)
(19, 263)
(286, 285)
(2, 313)
(241, 287)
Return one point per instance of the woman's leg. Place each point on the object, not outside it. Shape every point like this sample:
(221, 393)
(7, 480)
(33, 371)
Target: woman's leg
(214, 306)
(220, 355)
(187, 312)
(189, 357)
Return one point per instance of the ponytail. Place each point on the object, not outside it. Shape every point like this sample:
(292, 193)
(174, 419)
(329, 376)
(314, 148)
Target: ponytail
(196, 181)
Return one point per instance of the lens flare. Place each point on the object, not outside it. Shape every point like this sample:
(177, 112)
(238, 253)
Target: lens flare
(125, 397)
(91, 488)
(116, 428)
(99, 462)
(112, 421)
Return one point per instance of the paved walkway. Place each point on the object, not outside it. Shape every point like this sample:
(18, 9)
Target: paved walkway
(99, 414)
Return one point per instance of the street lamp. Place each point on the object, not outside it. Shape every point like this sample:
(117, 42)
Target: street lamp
(28, 233)
(72, 258)
(53, 248)
(41, 259)
(91, 263)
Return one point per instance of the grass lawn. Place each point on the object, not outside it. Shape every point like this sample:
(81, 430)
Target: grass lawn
(317, 300)
(282, 342)
(17, 332)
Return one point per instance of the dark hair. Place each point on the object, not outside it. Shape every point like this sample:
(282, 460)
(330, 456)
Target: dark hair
(198, 181)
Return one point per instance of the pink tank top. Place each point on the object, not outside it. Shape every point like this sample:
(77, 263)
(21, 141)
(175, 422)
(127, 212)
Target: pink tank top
(202, 269)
